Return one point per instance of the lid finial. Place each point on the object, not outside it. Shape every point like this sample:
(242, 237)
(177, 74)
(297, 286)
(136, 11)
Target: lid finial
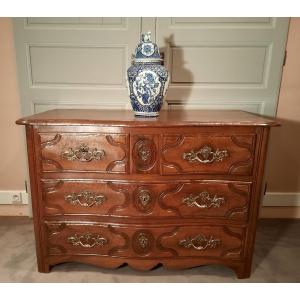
(146, 37)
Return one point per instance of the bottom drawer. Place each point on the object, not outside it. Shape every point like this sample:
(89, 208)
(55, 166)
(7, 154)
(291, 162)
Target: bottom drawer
(153, 241)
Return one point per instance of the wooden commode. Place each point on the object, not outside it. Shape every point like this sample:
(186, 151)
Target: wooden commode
(180, 190)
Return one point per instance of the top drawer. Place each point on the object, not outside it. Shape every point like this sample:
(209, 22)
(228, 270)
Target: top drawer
(208, 153)
(77, 152)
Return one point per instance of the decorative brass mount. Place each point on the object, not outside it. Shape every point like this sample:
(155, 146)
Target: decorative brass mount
(85, 198)
(87, 240)
(203, 200)
(205, 155)
(83, 153)
(200, 242)
(144, 197)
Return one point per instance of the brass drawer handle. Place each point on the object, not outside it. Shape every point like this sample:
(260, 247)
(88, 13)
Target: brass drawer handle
(205, 155)
(87, 240)
(203, 200)
(200, 242)
(83, 153)
(85, 199)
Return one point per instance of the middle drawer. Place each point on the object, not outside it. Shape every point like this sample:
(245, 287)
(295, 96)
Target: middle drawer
(197, 198)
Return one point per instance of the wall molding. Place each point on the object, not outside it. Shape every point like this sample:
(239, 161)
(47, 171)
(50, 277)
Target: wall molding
(281, 199)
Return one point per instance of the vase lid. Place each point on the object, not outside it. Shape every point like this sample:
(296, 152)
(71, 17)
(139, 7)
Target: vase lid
(147, 51)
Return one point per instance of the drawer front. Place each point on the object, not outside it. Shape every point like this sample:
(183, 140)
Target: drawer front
(77, 152)
(194, 199)
(148, 242)
(82, 197)
(229, 200)
(211, 153)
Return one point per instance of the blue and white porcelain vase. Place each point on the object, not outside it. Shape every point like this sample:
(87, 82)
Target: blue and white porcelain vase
(148, 79)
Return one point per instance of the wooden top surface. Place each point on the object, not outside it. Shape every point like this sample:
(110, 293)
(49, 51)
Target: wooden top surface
(166, 118)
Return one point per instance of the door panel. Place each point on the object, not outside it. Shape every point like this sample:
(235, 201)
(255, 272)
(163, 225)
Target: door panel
(233, 63)
(74, 62)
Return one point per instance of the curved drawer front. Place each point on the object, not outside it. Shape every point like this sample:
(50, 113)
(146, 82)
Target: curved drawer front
(77, 152)
(228, 200)
(148, 242)
(82, 197)
(208, 154)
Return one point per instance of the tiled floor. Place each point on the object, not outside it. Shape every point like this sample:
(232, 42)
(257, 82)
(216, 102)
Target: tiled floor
(276, 259)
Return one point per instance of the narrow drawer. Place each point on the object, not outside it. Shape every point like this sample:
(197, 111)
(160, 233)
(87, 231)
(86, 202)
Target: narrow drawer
(163, 241)
(192, 199)
(208, 153)
(79, 152)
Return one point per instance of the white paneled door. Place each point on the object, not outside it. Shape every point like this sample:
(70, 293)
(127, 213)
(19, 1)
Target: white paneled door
(228, 63)
(74, 62)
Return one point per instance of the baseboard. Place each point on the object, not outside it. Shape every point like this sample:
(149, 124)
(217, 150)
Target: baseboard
(16, 197)
(13, 210)
(281, 199)
(279, 212)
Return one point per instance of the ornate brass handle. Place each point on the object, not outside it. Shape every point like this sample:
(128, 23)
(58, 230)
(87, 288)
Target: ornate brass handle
(83, 153)
(87, 240)
(85, 198)
(200, 242)
(203, 200)
(205, 155)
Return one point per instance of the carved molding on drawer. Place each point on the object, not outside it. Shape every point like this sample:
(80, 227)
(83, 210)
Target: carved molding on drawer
(57, 166)
(85, 199)
(120, 189)
(244, 191)
(172, 190)
(203, 200)
(172, 141)
(51, 142)
(144, 154)
(83, 153)
(238, 251)
(200, 242)
(247, 163)
(168, 234)
(205, 155)
(125, 159)
(87, 240)
(53, 229)
(52, 186)
(119, 249)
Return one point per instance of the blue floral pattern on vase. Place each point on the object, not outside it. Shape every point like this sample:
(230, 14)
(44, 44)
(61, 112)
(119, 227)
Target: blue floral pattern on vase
(147, 49)
(147, 79)
(146, 87)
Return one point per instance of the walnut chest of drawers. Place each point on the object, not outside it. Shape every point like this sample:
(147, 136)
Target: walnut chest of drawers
(180, 190)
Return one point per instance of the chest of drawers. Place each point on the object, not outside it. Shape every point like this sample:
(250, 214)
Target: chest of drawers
(180, 190)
